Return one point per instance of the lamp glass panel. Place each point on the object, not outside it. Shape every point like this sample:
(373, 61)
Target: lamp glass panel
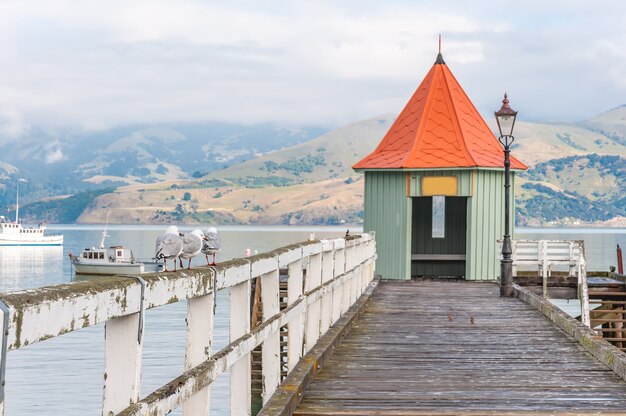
(505, 123)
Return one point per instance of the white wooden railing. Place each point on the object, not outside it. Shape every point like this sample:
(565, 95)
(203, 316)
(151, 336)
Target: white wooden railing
(325, 277)
(546, 255)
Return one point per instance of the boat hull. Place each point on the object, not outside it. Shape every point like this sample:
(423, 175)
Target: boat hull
(110, 269)
(19, 240)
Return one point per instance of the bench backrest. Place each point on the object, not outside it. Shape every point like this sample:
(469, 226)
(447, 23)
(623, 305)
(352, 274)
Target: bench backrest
(551, 251)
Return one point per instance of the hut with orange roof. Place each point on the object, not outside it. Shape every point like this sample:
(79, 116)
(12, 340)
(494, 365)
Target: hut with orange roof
(434, 187)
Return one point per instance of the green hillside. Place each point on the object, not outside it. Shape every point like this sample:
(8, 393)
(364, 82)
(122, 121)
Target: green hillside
(62, 210)
(326, 157)
(576, 176)
(593, 176)
(585, 188)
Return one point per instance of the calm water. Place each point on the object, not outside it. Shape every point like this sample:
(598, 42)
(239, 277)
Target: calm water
(63, 376)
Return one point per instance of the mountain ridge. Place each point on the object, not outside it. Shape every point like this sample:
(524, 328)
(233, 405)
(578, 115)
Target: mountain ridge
(311, 181)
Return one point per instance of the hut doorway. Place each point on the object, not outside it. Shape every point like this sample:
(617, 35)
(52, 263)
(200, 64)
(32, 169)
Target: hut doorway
(438, 232)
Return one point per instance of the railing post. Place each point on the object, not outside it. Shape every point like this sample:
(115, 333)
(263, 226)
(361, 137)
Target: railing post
(339, 269)
(350, 259)
(514, 257)
(4, 313)
(240, 372)
(583, 291)
(122, 361)
(354, 286)
(295, 328)
(346, 292)
(543, 255)
(328, 267)
(271, 346)
(352, 264)
(313, 280)
(572, 256)
(200, 318)
(360, 255)
(370, 254)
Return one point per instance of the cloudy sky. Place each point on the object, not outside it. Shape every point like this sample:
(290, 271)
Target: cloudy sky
(97, 64)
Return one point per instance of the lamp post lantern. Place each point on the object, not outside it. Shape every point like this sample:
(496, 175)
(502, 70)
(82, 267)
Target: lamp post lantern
(506, 120)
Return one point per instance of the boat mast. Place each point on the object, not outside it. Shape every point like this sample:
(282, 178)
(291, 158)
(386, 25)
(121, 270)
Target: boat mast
(17, 203)
(104, 232)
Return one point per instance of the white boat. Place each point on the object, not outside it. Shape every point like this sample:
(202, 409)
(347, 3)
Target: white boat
(110, 261)
(14, 234)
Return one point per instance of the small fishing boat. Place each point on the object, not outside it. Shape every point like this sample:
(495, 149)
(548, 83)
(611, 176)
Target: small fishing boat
(110, 261)
(14, 234)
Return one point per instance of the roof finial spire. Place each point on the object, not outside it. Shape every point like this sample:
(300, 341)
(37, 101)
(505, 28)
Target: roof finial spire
(439, 60)
(505, 102)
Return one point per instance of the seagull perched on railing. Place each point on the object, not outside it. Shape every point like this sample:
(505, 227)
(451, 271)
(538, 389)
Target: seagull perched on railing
(212, 244)
(168, 246)
(192, 244)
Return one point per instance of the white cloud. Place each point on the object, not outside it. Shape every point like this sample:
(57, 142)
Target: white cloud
(12, 125)
(96, 64)
(54, 156)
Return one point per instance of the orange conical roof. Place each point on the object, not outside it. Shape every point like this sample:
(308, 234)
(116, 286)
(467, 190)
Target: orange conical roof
(438, 128)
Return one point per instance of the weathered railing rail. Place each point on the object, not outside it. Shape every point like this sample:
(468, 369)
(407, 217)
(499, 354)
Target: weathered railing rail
(325, 277)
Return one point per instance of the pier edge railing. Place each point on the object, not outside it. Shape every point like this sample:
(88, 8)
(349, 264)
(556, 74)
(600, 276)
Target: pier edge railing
(325, 277)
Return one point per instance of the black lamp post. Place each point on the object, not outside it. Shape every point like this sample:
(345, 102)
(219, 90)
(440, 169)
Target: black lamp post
(506, 120)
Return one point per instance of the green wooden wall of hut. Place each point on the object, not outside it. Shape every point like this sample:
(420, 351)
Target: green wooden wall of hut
(387, 210)
(389, 197)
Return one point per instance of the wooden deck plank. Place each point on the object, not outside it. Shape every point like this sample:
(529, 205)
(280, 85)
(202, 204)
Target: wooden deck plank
(458, 348)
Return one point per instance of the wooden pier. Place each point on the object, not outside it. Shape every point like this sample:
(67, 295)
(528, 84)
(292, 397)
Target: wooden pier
(327, 338)
(446, 347)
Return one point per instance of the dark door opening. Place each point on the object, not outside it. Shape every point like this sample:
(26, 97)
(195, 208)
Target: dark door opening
(438, 236)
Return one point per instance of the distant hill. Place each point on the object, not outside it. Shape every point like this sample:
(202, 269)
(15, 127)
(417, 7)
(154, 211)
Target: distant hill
(575, 189)
(329, 156)
(541, 142)
(611, 124)
(308, 183)
(55, 163)
(269, 175)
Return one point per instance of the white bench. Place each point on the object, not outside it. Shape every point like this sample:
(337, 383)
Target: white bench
(545, 255)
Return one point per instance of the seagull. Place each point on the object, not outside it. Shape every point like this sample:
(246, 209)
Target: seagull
(192, 244)
(168, 246)
(212, 244)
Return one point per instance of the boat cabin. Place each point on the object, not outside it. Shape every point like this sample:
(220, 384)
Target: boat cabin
(93, 255)
(114, 254)
(15, 228)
